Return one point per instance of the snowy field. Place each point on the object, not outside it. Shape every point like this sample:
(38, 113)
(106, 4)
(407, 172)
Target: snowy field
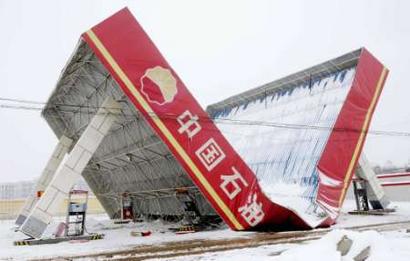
(385, 246)
(391, 246)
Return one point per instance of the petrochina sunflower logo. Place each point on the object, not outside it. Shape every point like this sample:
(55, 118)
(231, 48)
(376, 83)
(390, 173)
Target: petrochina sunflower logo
(159, 85)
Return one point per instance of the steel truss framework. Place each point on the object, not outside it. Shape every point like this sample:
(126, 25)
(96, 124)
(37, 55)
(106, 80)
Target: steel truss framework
(131, 157)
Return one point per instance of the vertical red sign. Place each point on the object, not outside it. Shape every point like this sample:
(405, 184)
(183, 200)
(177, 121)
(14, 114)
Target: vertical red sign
(344, 146)
(177, 118)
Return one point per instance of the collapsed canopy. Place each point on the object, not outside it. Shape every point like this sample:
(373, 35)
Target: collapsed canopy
(163, 140)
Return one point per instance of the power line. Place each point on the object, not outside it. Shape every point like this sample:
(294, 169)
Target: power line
(21, 101)
(20, 107)
(70, 109)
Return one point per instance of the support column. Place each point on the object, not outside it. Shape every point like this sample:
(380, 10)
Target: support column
(375, 192)
(55, 160)
(55, 193)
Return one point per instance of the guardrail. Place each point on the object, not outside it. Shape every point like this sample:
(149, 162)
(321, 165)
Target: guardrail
(406, 182)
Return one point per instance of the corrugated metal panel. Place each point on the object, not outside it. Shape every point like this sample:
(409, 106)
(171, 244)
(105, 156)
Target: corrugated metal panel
(281, 136)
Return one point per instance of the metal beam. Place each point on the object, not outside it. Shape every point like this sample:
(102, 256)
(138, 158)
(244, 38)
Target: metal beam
(375, 192)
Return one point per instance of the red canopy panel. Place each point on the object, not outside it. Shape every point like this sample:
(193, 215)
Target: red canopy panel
(345, 144)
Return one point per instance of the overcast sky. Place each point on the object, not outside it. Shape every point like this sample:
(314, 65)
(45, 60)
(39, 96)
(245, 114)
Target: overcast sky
(218, 48)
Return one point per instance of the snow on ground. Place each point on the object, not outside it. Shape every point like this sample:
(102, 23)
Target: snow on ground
(118, 239)
(345, 220)
(385, 246)
(256, 253)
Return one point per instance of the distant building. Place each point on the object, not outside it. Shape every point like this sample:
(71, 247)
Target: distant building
(14, 194)
(16, 190)
(22, 189)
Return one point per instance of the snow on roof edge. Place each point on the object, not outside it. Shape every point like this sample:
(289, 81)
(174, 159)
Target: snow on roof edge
(345, 61)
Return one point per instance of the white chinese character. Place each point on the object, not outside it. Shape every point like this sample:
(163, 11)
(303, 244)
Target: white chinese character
(189, 124)
(252, 211)
(232, 179)
(210, 154)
